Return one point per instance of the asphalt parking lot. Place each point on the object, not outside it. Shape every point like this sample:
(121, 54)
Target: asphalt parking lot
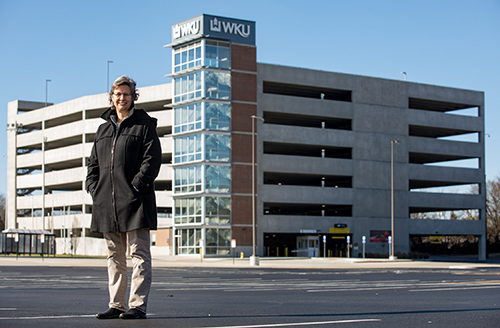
(280, 292)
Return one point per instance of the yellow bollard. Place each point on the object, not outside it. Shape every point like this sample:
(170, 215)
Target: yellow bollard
(241, 255)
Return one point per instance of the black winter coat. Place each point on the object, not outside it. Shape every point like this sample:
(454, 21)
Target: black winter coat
(121, 171)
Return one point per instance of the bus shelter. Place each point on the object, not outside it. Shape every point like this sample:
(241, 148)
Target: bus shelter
(25, 241)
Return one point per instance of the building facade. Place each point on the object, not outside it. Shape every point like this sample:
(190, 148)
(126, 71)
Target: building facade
(48, 147)
(342, 162)
(214, 74)
(325, 164)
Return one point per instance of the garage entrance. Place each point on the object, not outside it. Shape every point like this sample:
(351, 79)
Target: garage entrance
(305, 245)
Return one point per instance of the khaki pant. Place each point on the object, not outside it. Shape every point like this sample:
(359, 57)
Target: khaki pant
(140, 251)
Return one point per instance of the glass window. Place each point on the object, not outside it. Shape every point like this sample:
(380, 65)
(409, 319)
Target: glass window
(183, 207)
(211, 206)
(212, 238)
(218, 85)
(217, 54)
(187, 179)
(187, 87)
(177, 60)
(188, 56)
(224, 57)
(218, 241)
(188, 148)
(225, 237)
(191, 179)
(217, 147)
(198, 56)
(218, 210)
(217, 178)
(188, 118)
(211, 55)
(191, 239)
(217, 116)
(189, 242)
(184, 239)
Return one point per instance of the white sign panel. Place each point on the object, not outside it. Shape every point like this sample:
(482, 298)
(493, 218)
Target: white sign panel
(207, 26)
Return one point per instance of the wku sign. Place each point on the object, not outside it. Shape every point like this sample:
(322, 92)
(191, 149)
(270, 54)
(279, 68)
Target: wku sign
(234, 30)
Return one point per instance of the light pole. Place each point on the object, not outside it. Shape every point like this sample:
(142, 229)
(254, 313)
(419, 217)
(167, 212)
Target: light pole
(392, 257)
(404, 73)
(254, 259)
(46, 90)
(107, 75)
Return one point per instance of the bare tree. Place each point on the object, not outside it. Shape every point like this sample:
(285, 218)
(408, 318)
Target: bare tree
(2, 212)
(493, 210)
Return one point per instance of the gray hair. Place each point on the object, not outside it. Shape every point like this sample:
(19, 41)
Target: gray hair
(124, 80)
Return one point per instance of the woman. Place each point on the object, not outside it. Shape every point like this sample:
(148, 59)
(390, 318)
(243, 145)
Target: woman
(124, 162)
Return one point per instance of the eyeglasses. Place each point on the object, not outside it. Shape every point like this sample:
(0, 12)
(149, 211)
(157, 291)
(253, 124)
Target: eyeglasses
(119, 94)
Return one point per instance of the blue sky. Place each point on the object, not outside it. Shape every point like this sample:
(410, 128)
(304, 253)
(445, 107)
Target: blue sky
(452, 43)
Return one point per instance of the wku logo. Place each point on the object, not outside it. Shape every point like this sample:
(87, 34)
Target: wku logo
(190, 28)
(217, 25)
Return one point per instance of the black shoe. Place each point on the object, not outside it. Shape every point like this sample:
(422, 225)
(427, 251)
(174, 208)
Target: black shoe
(133, 314)
(110, 313)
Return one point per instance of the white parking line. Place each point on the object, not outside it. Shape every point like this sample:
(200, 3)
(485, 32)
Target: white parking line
(49, 317)
(302, 323)
(317, 323)
(451, 288)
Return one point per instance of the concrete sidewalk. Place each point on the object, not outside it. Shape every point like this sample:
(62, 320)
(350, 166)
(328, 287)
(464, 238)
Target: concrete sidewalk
(265, 262)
